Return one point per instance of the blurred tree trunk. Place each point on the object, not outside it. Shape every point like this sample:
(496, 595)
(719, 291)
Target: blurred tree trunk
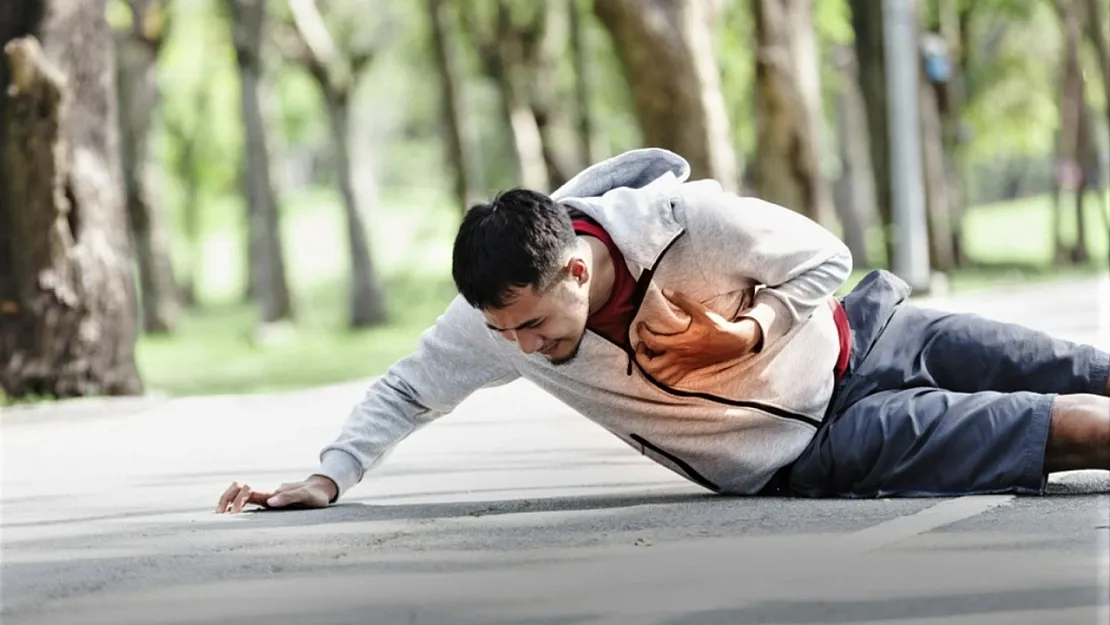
(582, 84)
(366, 304)
(867, 22)
(855, 200)
(1088, 158)
(527, 138)
(938, 206)
(544, 46)
(461, 148)
(1097, 21)
(666, 50)
(138, 99)
(1072, 103)
(788, 108)
(501, 49)
(952, 112)
(267, 259)
(336, 73)
(67, 295)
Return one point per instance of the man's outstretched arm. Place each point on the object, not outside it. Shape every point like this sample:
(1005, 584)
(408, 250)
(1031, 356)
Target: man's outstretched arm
(454, 358)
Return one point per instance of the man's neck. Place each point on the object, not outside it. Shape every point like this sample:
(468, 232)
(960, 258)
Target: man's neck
(602, 273)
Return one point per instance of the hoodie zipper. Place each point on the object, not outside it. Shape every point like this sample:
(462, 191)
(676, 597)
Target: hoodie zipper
(679, 462)
(638, 297)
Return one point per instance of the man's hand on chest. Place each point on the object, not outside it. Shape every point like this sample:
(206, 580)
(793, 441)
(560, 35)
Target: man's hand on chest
(709, 339)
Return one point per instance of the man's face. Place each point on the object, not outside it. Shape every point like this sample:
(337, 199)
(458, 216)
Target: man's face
(551, 323)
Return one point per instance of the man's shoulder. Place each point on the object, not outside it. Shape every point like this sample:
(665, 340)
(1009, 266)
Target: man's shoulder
(706, 202)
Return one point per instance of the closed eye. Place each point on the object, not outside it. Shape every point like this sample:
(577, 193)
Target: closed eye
(527, 325)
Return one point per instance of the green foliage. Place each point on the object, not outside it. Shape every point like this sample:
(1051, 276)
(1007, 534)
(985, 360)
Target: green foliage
(399, 158)
(833, 21)
(611, 104)
(215, 350)
(200, 97)
(734, 44)
(1011, 79)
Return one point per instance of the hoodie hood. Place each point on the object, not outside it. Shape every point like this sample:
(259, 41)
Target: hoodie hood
(635, 169)
(630, 196)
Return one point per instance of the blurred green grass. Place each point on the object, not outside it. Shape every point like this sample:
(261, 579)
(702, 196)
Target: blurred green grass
(213, 351)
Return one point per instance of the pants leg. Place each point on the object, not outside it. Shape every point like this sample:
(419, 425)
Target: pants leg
(940, 403)
(929, 442)
(968, 353)
(896, 345)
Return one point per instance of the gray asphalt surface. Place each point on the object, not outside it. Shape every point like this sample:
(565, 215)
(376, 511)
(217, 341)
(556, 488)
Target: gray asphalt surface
(512, 510)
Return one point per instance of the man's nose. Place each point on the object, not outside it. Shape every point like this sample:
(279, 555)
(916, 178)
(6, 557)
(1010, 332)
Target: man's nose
(528, 342)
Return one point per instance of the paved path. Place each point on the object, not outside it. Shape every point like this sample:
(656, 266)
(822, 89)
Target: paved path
(512, 510)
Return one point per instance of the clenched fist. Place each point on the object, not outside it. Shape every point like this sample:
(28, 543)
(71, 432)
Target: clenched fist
(315, 492)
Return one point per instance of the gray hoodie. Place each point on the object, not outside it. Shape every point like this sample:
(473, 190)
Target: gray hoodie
(729, 428)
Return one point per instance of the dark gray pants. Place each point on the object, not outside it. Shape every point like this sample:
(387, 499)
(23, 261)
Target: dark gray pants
(938, 404)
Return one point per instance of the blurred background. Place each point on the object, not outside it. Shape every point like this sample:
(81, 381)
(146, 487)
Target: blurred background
(290, 173)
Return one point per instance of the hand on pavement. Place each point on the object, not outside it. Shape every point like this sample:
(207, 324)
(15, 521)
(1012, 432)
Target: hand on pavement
(315, 492)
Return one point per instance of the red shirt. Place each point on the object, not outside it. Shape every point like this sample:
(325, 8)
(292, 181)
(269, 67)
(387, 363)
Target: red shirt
(613, 319)
(845, 332)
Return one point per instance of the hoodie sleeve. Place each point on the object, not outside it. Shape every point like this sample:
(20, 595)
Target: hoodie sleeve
(799, 263)
(454, 358)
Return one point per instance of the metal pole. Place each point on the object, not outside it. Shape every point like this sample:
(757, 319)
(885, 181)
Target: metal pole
(911, 254)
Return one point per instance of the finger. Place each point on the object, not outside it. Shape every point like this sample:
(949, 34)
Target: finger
(285, 498)
(240, 499)
(656, 342)
(672, 375)
(658, 366)
(676, 374)
(693, 308)
(644, 354)
(259, 499)
(226, 498)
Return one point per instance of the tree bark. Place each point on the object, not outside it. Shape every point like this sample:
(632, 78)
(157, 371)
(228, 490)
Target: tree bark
(856, 189)
(512, 49)
(1072, 102)
(336, 73)
(67, 298)
(519, 49)
(365, 295)
(583, 79)
(952, 119)
(666, 50)
(138, 99)
(867, 22)
(788, 110)
(545, 46)
(1097, 19)
(459, 140)
(937, 204)
(1088, 158)
(267, 257)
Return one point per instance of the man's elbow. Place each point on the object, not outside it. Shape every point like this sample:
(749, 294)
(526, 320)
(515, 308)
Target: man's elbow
(841, 262)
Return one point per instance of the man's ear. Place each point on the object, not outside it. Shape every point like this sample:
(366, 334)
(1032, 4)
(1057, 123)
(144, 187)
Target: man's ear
(578, 270)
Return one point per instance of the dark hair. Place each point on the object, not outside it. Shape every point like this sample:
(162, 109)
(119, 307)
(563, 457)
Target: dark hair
(517, 240)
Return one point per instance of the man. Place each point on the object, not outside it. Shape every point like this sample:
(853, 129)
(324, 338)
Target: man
(702, 329)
